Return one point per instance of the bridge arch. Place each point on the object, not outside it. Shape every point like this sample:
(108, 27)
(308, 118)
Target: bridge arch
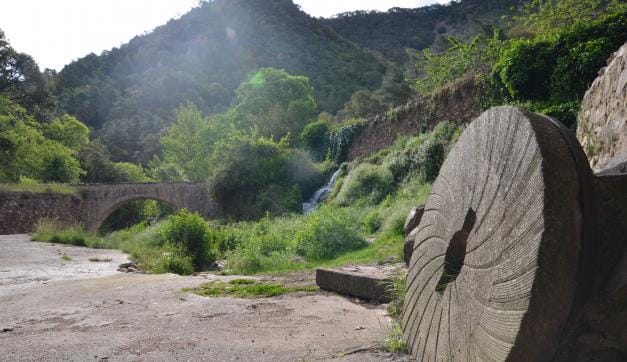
(100, 200)
(105, 215)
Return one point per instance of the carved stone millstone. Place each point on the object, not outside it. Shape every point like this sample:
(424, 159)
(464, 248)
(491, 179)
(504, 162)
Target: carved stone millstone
(496, 263)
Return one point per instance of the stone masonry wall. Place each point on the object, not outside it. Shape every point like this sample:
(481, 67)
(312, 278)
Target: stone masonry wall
(20, 211)
(602, 119)
(458, 103)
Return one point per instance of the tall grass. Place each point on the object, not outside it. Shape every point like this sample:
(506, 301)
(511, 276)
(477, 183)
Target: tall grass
(28, 185)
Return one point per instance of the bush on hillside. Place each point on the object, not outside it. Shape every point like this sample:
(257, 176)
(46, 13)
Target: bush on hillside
(431, 157)
(190, 232)
(327, 233)
(366, 182)
(559, 69)
(315, 139)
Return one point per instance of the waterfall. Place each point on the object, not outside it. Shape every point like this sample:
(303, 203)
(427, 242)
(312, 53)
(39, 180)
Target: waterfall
(320, 194)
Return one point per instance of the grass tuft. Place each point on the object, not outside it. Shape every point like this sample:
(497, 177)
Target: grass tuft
(246, 288)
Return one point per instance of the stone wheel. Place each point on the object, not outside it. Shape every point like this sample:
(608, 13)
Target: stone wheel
(494, 272)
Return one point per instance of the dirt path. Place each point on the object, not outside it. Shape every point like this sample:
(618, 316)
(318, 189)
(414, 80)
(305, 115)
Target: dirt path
(87, 311)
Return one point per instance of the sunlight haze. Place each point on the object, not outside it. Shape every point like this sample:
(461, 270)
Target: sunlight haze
(60, 31)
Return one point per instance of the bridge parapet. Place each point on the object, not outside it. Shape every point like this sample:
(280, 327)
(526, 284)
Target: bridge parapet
(93, 203)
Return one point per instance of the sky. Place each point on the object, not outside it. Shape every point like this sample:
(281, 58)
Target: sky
(56, 32)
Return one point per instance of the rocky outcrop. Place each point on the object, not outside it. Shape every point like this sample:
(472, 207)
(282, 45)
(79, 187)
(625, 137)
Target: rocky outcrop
(458, 103)
(602, 119)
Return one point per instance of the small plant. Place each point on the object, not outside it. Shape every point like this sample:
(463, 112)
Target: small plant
(66, 257)
(395, 342)
(368, 182)
(395, 307)
(173, 262)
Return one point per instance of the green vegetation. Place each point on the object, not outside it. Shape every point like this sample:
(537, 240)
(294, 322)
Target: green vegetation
(371, 201)
(246, 288)
(544, 61)
(398, 29)
(127, 94)
(28, 185)
(66, 257)
(144, 244)
(41, 152)
(395, 341)
(368, 182)
(255, 176)
(189, 233)
(326, 234)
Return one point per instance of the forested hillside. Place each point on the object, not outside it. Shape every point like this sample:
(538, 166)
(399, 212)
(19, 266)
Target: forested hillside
(393, 31)
(202, 57)
(129, 93)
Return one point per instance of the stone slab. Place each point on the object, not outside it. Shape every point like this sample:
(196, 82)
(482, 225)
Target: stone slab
(365, 282)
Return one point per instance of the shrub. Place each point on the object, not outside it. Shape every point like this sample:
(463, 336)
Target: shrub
(190, 232)
(60, 169)
(259, 176)
(176, 262)
(432, 157)
(327, 233)
(372, 222)
(560, 69)
(315, 139)
(525, 68)
(368, 182)
(244, 262)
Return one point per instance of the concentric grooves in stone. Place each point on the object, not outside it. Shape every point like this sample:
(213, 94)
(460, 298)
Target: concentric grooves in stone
(496, 171)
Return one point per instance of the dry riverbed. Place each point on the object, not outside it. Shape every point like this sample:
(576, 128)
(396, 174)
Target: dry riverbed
(56, 304)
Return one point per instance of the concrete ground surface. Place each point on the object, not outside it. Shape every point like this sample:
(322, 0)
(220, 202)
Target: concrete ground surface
(56, 309)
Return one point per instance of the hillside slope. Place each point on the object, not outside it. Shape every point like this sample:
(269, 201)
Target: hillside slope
(392, 31)
(203, 56)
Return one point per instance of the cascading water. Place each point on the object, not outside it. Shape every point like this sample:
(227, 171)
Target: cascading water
(320, 194)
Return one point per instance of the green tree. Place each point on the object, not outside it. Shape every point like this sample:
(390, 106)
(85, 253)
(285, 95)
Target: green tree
(315, 138)
(21, 81)
(69, 131)
(275, 103)
(549, 17)
(183, 144)
(28, 152)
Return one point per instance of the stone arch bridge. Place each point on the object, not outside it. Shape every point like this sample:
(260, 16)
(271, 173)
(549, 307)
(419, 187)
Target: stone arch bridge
(93, 203)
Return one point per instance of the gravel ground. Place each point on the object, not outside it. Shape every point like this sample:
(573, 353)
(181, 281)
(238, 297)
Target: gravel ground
(55, 309)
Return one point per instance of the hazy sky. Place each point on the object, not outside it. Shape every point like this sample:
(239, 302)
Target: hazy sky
(55, 32)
